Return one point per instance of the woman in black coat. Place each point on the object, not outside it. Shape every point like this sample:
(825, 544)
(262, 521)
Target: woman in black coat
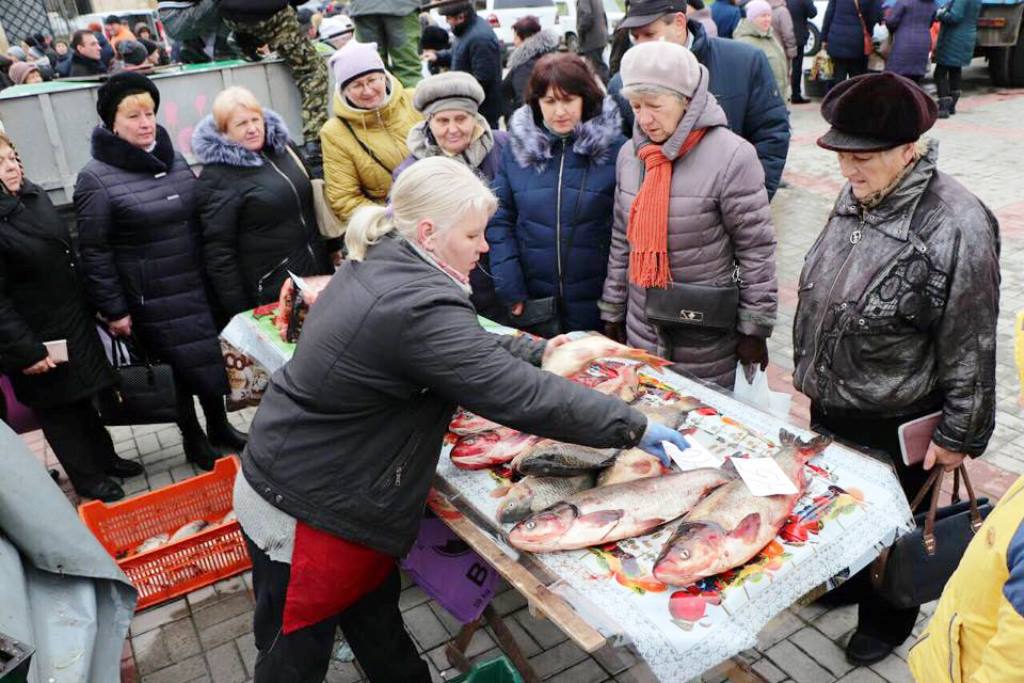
(255, 204)
(139, 246)
(42, 300)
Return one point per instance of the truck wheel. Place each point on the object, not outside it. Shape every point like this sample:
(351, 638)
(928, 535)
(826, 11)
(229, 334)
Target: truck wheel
(1006, 65)
(813, 44)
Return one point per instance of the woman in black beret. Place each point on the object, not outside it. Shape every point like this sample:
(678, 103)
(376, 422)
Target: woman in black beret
(898, 302)
(138, 237)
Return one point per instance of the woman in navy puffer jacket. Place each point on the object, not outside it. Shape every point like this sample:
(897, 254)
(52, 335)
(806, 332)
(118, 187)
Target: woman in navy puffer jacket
(842, 34)
(549, 239)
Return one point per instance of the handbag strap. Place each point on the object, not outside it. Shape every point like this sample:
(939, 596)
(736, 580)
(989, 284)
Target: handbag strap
(294, 155)
(976, 520)
(366, 149)
(934, 483)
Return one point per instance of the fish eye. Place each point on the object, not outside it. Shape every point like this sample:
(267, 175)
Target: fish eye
(531, 525)
(684, 554)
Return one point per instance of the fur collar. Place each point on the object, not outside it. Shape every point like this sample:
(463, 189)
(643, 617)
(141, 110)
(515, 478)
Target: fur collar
(110, 149)
(532, 144)
(213, 147)
(536, 45)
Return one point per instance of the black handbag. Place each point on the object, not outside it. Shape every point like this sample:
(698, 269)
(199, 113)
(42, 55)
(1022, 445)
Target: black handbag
(693, 306)
(539, 317)
(916, 567)
(145, 393)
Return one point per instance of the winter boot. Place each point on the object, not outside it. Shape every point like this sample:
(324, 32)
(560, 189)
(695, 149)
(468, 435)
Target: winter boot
(953, 100)
(221, 434)
(198, 450)
(945, 104)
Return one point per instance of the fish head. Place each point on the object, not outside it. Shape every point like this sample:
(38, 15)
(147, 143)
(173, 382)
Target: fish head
(544, 527)
(691, 554)
(474, 446)
(516, 505)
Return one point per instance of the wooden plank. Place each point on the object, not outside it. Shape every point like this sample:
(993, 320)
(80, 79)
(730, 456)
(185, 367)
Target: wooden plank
(541, 599)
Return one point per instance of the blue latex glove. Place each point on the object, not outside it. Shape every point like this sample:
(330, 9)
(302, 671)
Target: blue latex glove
(654, 435)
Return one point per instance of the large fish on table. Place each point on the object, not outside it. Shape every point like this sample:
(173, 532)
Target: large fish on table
(732, 525)
(630, 465)
(486, 449)
(612, 513)
(548, 458)
(533, 494)
(575, 355)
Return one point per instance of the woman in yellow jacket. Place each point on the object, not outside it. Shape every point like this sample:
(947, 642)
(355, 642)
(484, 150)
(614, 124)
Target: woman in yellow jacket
(365, 139)
(977, 632)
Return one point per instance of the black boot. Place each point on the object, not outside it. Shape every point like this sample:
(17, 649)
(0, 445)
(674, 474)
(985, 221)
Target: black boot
(106, 490)
(955, 97)
(220, 432)
(198, 450)
(119, 467)
(945, 104)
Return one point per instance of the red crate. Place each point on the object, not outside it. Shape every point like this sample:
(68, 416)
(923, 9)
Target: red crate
(174, 569)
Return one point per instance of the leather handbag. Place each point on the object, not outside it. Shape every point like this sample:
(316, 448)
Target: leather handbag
(326, 221)
(869, 43)
(916, 567)
(146, 391)
(539, 317)
(684, 306)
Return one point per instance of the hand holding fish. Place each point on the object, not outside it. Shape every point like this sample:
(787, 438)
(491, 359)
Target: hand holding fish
(654, 435)
(943, 456)
(553, 344)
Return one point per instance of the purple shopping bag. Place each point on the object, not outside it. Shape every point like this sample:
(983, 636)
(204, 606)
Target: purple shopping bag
(16, 414)
(450, 572)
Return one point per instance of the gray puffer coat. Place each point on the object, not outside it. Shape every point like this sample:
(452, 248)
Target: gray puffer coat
(718, 220)
(898, 306)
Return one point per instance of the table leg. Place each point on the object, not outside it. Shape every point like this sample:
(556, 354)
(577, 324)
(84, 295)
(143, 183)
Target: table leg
(509, 646)
(456, 648)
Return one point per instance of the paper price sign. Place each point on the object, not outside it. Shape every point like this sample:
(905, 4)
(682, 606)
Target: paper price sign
(693, 458)
(764, 477)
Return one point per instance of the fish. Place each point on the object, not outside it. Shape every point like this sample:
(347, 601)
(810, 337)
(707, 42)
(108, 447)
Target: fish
(671, 415)
(465, 422)
(152, 543)
(549, 458)
(190, 529)
(486, 449)
(625, 384)
(575, 355)
(612, 513)
(533, 494)
(732, 525)
(630, 465)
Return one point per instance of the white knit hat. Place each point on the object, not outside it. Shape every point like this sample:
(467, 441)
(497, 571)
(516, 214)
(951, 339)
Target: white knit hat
(661, 63)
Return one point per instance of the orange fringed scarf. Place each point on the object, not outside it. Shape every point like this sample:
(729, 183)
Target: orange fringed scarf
(647, 231)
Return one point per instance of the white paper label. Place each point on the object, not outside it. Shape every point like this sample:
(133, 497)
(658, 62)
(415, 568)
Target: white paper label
(764, 477)
(299, 282)
(694, 457)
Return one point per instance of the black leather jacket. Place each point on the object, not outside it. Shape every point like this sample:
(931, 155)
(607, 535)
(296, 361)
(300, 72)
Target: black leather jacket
(898, 307)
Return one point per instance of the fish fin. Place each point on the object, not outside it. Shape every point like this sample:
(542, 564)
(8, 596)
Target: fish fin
(748, 527)
(601, 517)
(656, 362)
(786, 438)
(649, 524)
(809, 449)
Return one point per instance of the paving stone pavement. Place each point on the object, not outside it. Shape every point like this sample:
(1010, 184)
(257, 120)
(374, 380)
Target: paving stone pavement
(207, 636)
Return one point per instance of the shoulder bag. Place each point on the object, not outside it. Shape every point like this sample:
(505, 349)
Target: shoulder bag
(145, 393)
(915, 569)
(326, 221)
(869, 43)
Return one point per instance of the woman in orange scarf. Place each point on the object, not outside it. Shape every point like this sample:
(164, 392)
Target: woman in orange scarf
(691, 274)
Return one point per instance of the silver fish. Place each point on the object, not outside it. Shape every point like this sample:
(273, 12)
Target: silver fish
(556, 459)
(630, 465)
(533, 494)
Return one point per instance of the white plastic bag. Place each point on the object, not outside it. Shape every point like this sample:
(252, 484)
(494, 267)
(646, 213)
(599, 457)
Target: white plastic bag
(756, 393)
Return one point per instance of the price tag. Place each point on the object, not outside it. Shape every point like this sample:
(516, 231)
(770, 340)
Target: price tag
(764, 477)
(299, 282)
(694, 457)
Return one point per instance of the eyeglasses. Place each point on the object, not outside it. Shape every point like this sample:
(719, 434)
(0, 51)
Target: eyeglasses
(365, 83)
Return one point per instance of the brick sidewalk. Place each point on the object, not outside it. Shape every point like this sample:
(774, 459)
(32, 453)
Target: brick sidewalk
(208, 635)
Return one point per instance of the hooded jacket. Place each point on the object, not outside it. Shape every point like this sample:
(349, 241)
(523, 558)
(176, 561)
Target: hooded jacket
(348, 434)
(139, 245)
(910, 23)
(768, 43)
(257, 215)
(842, 30)
(42, 299)
(484, 157)
(718, 221)
(354, 178)
(550, 235)
(520, 65)
(898, 305)
(958, 33)
(726, 17)
(744, 87)
(977, 629)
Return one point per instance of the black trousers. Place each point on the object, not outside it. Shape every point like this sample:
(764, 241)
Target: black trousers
(877, 617)
(848, 68)
(796, 75)
(372, 626)
(80, 441)
(947, 79)
(188, 421)
(596, 59)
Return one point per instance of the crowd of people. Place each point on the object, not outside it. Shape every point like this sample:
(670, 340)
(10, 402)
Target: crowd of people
(607, 207)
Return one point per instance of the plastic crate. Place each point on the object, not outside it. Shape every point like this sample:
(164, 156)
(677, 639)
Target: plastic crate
(498, 670)
(174, 569)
